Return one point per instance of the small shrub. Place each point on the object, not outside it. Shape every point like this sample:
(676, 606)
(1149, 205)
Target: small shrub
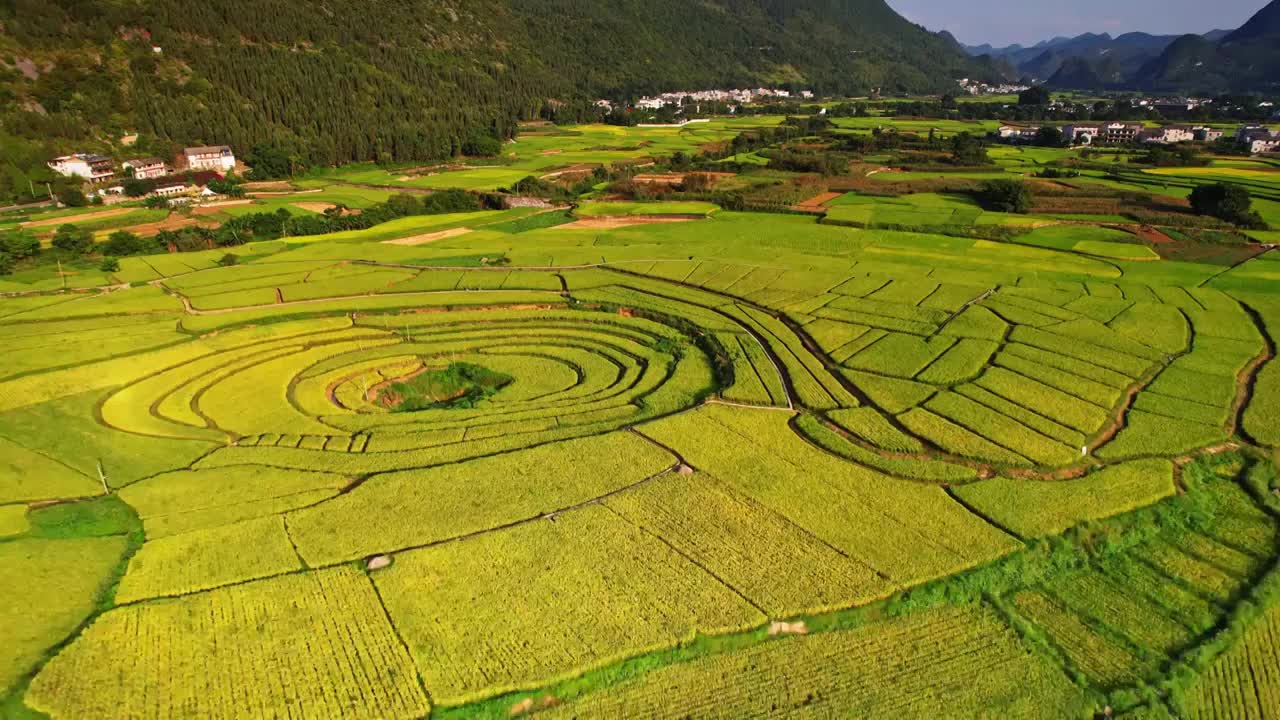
(1008, 196)
(72, 239)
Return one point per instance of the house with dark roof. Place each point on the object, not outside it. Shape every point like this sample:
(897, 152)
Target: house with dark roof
(210, 157)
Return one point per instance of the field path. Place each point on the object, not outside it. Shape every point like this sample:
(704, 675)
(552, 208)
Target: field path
(78, 218)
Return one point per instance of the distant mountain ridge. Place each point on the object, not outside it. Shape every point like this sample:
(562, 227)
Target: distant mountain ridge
(1041, 61)
(1247, 58)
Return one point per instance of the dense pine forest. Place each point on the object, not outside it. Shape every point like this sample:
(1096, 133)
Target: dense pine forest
(333, 81)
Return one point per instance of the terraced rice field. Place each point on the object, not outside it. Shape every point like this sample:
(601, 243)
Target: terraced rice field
(709, 435)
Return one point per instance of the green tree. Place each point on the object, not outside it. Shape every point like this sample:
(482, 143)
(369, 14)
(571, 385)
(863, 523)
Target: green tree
(109, 264)
(229, 186)
(1222, 200)
(1009, 196)
(72, 197)
(72, 239)
(481, 146)
(968, 150)
(1049, 136)
(1035, 95)
(6, 263)
(19, 245)
(134, 187)
(270, 162)
(122, 243)
(404, 204)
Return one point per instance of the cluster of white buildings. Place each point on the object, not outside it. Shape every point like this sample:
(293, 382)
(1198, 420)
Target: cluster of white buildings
(99, 169)
(1115, 133)
(1254, 139)
(740, 97)
(977, 87)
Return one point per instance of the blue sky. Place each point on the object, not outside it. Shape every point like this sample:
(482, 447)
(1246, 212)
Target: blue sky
(1002, 22)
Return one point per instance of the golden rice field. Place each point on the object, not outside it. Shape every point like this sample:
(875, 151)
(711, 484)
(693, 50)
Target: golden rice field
(744, 466)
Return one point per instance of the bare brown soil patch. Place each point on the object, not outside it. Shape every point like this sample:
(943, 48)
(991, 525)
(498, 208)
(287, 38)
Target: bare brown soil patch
(212, 208)
(818, 202)
(529, 705)
(78, 218)
(283, 185)
(788, 628)
(428, 237)
(610, 222)
(1152, 235)
(579, 168)
(283, 193)
(315, 207)
(173, 222)
(672, 179)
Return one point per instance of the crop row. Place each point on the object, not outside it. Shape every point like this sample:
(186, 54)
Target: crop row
(1039, 508)
(385, 512)
(936, 471)
(330, 653)
(1001, 430)
(935, 663)
(782, 569)
(185, 500)
(956, 439)
(900, 355)
(1092, 595)
(1101, 660)
(204, 559)
(815, 386)
(909, 532)
(1244, 683)
(479, 622)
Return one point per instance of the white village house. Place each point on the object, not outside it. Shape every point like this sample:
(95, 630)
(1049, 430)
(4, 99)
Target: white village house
(1168, 135)
(1018, 133)
(146, 168)
(211, 157)
(1081, 134)
(1258, 139)
(93, 168)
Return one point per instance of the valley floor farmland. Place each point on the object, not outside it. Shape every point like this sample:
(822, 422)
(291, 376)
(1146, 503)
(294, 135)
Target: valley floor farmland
(744, 465)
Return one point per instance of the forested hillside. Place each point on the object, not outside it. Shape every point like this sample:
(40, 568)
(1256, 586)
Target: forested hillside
(1246, 59)
(343, 80)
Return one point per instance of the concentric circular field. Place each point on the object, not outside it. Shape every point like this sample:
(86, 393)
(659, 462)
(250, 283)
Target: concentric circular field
(338, 384)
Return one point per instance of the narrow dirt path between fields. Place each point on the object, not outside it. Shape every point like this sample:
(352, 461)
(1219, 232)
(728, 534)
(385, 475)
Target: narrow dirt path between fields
(1247, 380)
(612, 222)
(102, 215)
(428, 237)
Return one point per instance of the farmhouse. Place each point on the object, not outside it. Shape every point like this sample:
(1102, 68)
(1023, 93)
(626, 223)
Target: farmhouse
(210, 157)
(1169, 135)
(1257, 139)
(93, 168)
(1018, 133)
(147, 168)
(170, 190)
(1081, 134)
(1264, 145)
(1121, 132)
(1207, 134)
